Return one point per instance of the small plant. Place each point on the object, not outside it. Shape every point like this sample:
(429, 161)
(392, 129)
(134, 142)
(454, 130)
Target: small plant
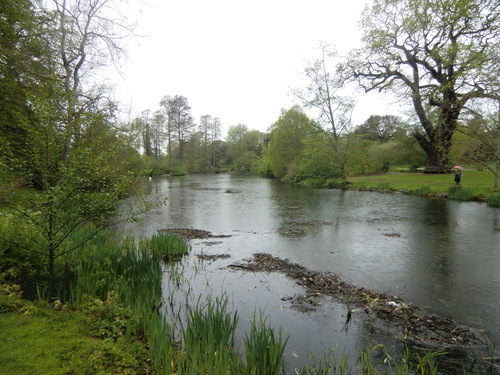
(493, 200)
(459, 193)
(422, 191)
(209, 340)
(264, 349)
(383, 186)
(168, 246)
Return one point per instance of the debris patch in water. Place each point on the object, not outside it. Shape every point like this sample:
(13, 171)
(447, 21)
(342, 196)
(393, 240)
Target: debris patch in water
(406, 320)
(191, 234)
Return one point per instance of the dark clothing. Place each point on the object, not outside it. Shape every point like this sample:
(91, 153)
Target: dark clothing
(458, 175)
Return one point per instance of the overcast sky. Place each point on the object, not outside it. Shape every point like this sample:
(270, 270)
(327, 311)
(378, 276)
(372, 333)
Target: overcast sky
(236, 60)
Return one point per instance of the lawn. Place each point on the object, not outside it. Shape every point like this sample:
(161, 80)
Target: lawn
(480, 182)
(37, 339)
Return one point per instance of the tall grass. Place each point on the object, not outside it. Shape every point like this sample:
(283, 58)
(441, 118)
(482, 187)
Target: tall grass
(130, 271)
(209, 343)
(493, 200)
(264, 349)
(460, 193)
(168, 246)
(422, 191)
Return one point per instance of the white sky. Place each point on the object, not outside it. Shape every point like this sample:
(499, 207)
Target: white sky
(236, 60)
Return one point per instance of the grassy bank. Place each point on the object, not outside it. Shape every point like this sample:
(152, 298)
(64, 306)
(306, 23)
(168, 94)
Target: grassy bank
(478, 184)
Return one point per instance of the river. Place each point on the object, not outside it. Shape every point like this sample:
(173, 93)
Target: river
(439, 254)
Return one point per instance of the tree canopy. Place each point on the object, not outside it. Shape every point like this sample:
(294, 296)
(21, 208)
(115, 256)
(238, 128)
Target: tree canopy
(438, 55)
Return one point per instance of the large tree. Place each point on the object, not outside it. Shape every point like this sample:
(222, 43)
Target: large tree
(71, 164)
(286, 140)
(437, 54)
(179, 123)
(324, 94)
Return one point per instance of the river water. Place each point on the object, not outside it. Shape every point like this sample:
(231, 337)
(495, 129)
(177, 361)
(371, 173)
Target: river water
(439, 254)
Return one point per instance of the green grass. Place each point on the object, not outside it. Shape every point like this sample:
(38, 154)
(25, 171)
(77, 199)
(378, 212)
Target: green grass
(480, 183)
(37, 339)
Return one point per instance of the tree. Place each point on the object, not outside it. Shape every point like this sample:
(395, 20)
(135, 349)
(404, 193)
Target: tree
(438, 55)
(210, 128)
(323, 93)
(381, 129)
(180, 123)
(483, 144)
(72, 160)
(286, 139)
(86, 35)
(244, 146)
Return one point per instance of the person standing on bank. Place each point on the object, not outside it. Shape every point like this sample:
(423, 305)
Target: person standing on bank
(458, 174)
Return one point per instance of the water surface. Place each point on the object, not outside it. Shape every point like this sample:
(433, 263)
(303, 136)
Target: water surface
(440, 254)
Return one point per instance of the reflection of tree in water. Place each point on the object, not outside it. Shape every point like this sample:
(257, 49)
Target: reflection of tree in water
(432, 246)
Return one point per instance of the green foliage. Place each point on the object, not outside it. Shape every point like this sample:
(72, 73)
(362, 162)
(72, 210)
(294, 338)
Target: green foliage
(244, 147)
(493, 200)
(168, 246)
(37, 339)
(286, 140)
(209, 342)
(460, 193)
(422, 191)
(264, 349)
(109, 319)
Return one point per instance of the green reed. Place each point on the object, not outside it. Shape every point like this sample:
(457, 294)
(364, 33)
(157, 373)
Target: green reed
(128, 270)
(209, 343)
(422, 191)
(264, 349)
(460, 193)
(168, 246)
(493, 200)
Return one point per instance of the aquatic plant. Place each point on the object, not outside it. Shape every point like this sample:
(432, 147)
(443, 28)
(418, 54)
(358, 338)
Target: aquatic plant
(422, 191)
(168, 246)
(209, 343)
(460, 193)
(383, 186)
(493, 200)
(264, 349)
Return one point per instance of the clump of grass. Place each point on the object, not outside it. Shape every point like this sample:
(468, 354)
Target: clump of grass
(422, 191)
(168, 246)
(460, 193)
(209, 343)
(264, 349)
(493, 200)
(383, 186)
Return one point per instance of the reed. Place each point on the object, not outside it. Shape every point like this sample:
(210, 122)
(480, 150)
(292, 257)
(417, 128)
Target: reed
(493, 200)
(422, 191)
(128, 270)
(209, 343)
(168, 246)
(460, 193)
(264, 349)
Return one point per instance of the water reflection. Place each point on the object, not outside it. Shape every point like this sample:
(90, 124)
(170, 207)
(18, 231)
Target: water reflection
(436, 253)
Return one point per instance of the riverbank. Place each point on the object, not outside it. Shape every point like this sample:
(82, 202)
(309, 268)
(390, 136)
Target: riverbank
(475, 185)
